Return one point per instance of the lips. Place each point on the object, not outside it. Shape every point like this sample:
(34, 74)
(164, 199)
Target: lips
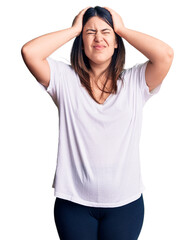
(99, 47)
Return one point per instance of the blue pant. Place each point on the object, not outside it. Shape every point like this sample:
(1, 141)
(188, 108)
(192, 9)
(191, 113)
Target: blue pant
(78, 222)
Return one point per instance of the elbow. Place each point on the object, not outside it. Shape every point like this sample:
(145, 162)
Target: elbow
(170, 54)
(167, 56)
(26, 51)
(23, 50)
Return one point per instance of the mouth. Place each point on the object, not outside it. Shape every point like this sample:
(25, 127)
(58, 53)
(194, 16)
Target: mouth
(99, 47)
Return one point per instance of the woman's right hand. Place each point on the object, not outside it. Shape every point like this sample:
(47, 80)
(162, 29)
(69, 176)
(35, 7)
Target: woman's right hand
(78, 21)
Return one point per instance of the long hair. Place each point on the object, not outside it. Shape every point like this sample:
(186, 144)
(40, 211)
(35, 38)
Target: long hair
(80, 61)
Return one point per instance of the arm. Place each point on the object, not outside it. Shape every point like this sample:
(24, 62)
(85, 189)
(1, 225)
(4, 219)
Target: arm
(43, 46)
(160, 54)
(36, 51)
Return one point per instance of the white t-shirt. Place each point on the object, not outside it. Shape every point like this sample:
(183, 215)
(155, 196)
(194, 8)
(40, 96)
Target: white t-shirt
(98, 162)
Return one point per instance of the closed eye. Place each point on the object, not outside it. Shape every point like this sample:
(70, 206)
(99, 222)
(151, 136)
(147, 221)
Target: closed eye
(104, 31)
(95, 33)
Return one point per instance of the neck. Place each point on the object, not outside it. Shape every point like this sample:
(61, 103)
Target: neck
(97, 69)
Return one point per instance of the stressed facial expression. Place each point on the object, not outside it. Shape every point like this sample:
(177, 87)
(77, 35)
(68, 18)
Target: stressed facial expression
(99, 41)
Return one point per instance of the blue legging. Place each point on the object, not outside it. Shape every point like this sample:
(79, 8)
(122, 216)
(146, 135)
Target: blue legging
(78, 222)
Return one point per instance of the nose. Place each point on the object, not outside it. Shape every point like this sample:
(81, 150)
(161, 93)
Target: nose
(98, 37)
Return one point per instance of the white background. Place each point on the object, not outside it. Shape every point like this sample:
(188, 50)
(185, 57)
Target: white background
(29, 119)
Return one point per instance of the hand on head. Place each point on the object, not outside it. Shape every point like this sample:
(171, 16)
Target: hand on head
(117, 20)
(78, 20)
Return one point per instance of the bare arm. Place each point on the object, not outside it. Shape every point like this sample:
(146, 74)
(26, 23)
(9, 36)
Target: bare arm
(43, 46)
(160, 54)
(36, 51)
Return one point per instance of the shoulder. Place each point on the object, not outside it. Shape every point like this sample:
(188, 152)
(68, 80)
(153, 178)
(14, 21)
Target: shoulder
(136, 69)
(60, 66)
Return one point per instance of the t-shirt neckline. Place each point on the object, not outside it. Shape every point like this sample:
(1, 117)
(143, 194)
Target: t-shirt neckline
(84, 91)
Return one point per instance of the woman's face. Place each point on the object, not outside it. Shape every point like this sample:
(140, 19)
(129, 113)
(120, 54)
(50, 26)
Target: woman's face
(99, 41)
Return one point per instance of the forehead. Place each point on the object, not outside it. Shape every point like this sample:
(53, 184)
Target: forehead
(97, 23)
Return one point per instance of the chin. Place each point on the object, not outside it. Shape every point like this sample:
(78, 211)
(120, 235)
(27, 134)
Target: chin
(99, 61)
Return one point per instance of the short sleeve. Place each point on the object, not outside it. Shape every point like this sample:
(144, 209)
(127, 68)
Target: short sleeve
(140, 75)
(56, 69)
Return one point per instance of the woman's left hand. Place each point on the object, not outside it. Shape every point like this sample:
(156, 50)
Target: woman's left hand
(117, 20)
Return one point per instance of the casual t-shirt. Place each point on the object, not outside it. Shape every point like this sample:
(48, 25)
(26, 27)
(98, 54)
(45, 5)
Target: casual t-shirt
(98, 161)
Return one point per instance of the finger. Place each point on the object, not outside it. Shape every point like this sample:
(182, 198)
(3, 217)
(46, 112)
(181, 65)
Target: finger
(84, 10)
(81, 13)
(109, 9)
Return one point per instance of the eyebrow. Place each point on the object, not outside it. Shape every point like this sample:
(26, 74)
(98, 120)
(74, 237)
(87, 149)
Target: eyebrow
(92, 30)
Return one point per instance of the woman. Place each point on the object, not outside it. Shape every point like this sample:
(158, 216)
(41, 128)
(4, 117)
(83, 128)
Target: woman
(98, 184)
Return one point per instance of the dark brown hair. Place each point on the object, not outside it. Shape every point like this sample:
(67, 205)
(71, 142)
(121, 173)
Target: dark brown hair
(80, 62)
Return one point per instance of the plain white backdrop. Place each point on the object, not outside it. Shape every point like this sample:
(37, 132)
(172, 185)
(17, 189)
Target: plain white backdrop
(29, 119)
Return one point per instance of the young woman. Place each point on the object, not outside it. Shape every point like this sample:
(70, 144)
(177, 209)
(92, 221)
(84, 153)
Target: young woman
(98, 184)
